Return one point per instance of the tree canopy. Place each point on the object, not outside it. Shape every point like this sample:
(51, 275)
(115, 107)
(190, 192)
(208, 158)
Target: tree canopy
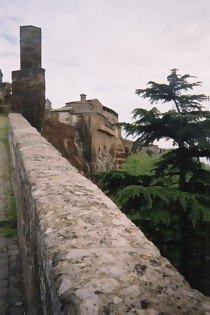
(171, 204)
(187, 123)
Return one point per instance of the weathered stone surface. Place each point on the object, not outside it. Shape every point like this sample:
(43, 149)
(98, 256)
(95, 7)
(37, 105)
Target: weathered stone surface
(30, 46)
(5, 96)
(85, 133)
(62, 137)
(28, 95)
(83, 253)
(28, 84)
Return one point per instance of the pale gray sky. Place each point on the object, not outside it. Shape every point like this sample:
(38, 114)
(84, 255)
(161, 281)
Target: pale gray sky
(109, 48)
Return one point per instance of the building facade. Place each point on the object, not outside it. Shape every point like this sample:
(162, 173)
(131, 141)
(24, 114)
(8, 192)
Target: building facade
(93, 142)
(5, 95)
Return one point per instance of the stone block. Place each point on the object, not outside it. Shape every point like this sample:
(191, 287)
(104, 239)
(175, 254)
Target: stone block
(81, 254)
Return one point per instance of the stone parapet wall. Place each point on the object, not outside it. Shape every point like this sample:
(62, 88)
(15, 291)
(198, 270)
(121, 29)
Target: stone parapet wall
(81, 255)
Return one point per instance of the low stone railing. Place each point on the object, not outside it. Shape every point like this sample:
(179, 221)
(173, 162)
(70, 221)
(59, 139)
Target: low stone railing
(80, 253)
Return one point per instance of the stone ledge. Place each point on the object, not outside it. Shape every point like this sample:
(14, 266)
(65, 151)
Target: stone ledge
(88, 257)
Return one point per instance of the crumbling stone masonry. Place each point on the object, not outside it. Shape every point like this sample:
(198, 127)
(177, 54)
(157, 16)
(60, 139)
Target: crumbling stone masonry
(5, 96)
(85, 133)
(80, 251)
(28, 84)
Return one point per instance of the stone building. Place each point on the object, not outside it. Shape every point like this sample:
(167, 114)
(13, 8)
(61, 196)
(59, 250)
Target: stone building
(48, 104)
(5, 95)
(85, 132)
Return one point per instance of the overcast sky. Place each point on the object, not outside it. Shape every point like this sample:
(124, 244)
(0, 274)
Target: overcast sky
(109, 48)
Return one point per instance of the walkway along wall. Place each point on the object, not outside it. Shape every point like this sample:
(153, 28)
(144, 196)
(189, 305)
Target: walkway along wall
(81, 255)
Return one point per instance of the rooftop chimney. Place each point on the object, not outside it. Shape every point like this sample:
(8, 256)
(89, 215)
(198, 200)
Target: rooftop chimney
(83, 97)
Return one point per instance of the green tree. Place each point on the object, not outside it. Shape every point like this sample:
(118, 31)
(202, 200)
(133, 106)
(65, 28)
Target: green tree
(187, 124)
(172, 203)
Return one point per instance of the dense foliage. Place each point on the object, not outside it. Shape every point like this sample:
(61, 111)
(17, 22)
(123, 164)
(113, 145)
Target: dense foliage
(171, 201)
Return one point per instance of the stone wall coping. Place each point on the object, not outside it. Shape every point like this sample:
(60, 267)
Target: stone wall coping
(94, 258)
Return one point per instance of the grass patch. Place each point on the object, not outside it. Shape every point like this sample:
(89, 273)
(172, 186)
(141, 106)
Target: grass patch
(7, 231)
(141, 163)
(3, 129)
(8, 227)
(5, 175)
(10, 211)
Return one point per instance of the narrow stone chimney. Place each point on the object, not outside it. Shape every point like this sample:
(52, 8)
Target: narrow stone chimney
(83, 97)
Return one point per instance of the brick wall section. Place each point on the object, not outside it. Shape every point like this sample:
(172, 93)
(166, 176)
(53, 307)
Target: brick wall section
(81, 255)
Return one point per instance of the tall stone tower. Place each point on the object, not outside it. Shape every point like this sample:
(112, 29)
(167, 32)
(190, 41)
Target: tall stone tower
(28, 83)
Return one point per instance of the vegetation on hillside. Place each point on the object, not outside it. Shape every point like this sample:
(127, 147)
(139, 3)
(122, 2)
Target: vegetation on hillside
(171, 202)
(141, 163)
(7, 226)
